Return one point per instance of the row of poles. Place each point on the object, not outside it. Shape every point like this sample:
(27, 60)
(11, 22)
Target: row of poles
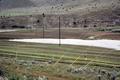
(59, 26)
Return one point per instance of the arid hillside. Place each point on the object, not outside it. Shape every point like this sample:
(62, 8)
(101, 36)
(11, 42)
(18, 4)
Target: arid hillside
(73, 13)
(26, 7)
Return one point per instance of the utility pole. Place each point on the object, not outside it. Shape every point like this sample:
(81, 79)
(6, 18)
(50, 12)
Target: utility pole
(43, 32)
(59, 32)
(43, 25)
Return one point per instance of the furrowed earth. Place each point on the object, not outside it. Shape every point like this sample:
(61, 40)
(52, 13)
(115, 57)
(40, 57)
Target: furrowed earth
(29, 61)
(78, 19)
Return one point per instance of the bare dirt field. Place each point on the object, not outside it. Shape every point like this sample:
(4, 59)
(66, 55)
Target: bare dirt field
(65, 34)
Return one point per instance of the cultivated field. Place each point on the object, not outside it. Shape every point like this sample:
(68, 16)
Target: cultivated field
(33, 61)
(79, 19)
(66, 33)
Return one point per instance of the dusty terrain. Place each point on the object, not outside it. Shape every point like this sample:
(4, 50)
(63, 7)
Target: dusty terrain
(65, 33)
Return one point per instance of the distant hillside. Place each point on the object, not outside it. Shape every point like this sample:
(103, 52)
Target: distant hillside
(23, 7)
(10, 4)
